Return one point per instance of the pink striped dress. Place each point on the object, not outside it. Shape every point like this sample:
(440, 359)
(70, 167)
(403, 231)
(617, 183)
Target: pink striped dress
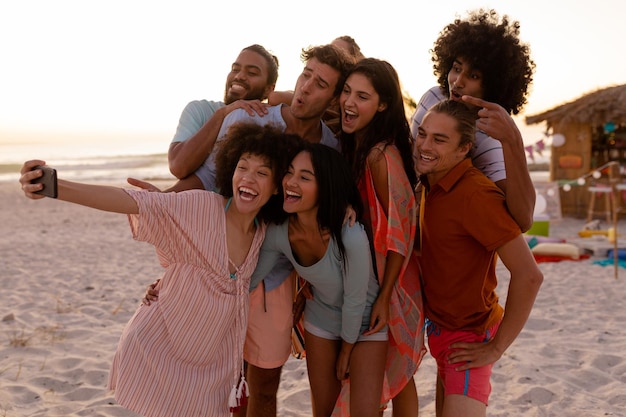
(182, 355)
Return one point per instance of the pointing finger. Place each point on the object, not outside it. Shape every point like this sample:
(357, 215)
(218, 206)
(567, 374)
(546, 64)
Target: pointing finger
(478, 102)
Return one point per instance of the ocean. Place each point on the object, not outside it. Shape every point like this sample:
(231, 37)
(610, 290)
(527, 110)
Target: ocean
(113, 158)
(92, 159)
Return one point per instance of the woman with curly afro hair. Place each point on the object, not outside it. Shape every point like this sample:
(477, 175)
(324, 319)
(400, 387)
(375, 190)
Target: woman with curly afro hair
(481, 61)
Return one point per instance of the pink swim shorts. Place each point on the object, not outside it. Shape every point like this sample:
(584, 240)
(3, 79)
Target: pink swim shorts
(473, 383)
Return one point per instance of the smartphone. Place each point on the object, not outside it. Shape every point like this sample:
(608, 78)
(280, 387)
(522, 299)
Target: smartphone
(49, 181)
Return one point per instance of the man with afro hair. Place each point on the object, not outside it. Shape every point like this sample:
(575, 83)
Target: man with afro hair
(481, 61)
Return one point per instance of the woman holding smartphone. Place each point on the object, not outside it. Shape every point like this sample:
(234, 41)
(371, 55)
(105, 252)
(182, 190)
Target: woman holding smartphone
(183, 356)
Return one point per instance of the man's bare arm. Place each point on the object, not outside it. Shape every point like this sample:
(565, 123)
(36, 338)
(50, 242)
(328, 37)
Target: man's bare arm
(192, 182)
(185, 158)
(518, 187)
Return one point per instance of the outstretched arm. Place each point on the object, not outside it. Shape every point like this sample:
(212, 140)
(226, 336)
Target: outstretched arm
(518, 187)
(185, 157)
(100, 197)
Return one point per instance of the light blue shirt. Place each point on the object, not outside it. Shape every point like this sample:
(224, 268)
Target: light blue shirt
(486, 154)
(342, 298)
(195, 114)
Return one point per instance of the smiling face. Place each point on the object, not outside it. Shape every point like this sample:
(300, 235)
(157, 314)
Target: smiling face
(315, 90)
(247, 79)
(300, 185)
(438, 149)
(464, 80)
(359, 103)
(253, 183)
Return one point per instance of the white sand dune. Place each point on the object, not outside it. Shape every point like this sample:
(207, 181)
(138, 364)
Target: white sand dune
(71, 277)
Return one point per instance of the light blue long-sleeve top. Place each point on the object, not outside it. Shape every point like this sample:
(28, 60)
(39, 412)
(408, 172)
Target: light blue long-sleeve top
(342, 297)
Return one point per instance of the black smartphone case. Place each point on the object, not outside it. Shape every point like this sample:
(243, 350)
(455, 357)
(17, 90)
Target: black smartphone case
(49, 181)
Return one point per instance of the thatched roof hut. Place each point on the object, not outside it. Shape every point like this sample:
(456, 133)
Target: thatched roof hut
(592, 130)
(596, 108)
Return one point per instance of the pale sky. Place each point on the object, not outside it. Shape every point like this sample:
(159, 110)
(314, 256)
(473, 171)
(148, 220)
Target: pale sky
(132, 65)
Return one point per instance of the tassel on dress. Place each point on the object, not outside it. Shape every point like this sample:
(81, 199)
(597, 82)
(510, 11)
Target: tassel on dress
(238, 395)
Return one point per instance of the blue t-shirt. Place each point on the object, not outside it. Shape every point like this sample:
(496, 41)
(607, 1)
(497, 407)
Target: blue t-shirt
(342, 297)
(195, 114)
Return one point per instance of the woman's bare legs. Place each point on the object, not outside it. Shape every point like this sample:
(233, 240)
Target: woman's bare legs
(406, 403)
(367, 370)
(321, 357)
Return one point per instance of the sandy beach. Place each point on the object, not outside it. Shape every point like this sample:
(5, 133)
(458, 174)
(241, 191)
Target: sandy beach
(71, 277)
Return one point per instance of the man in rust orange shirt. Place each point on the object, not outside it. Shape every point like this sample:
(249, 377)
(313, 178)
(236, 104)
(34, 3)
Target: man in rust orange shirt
(464, 228)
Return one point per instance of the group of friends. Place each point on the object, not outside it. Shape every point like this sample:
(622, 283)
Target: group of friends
(385, 231)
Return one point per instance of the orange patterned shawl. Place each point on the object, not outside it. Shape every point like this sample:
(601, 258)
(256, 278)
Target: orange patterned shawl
(395, 232)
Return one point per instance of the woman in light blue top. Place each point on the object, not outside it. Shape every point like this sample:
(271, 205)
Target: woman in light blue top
(336, 260)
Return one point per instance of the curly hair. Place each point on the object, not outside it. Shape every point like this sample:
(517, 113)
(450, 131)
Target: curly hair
(267, 142)
(334, 57)
(492, 46)
(389, 126)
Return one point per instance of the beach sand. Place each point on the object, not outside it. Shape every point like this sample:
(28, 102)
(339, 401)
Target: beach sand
(71, 278)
